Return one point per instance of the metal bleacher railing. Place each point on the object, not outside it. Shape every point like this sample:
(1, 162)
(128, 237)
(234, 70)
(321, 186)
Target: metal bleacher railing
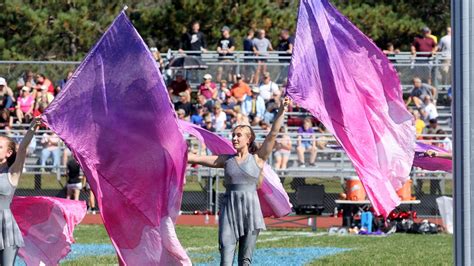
(204, 185)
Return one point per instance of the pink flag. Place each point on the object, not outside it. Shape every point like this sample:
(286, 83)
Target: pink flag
(345, 81)
(47, 224)
(273, 198)
(431, 163)
(116, 117)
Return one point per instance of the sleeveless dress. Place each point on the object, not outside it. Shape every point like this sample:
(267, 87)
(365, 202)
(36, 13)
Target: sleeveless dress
(10, 233)
(240, 209)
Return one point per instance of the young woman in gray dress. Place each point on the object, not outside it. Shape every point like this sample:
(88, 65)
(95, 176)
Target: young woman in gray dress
(241, 219)
(11, 167)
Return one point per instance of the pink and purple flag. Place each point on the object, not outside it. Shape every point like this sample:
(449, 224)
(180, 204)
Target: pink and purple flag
(116, 117)
(431, 163)
(345, 81)
(274, 200)
(47, 225)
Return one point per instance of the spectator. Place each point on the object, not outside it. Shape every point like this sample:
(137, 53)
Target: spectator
(431, 129)
(435, 39)
(181, 114)
(240, 90)
(43, 84)
(178, 85)
(219, 118)
(62, 83)
(223, 91)
(50, 143)
(208, 88)
(390, 50)
(272, 106)
(157, 56)
(419, 124)
(74, 179)
(444, 47)
(25, 106)
(204, 103)
(184, 103)
(429, 109)
(6, 121)
(444, 140)
(306, 143)
(323, 140)
(28, 79)
(285, 45)
(249, 70)
(254, 107)
(6, 94)
(198, 117)
(261, 46)
(225, 48)
(228, 106)
(426, 45)
(193, 41)
(282, 149)
(420, 90)
(208, 123)
(267, 87)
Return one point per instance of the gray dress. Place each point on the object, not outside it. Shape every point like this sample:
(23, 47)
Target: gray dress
(240, 209)
(10, 233)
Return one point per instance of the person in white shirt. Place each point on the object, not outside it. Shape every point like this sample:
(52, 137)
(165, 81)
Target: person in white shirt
(267, 87)
(219, 118)
(429, 110)
(444, 47)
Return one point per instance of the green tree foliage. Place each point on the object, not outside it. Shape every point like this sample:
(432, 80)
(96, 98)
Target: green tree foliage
(67, 29)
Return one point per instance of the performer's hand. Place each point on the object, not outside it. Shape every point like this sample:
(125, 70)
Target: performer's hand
(35, 123)
(285, 103)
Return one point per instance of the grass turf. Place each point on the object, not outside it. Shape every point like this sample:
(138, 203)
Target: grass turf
(396, 249)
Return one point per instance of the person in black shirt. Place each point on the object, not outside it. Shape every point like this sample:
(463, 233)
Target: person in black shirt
(74, 179)
(225, 47)
(285, 45)
(193, 41)
(184, 103)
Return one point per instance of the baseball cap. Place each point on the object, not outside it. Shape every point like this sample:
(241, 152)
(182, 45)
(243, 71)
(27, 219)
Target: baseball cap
(255, 90)
(207, 76)
(238, 76)
(25, 88)
(425, 29)
(225, 28)
(3, 82)
(183, 93)
(266, 74)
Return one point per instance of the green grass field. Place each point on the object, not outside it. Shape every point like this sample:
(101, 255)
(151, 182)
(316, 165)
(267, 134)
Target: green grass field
(396, 249)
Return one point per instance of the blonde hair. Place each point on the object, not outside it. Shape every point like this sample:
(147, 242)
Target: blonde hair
(251, 134)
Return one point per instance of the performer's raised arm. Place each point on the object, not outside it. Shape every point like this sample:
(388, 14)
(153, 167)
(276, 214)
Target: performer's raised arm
(267, 147)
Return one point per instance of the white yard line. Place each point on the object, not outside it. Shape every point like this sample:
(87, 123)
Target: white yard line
(283, 235)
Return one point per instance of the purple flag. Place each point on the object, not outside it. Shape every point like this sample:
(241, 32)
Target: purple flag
(344, 80)
(116, 117)
(431, 163)
(274, 200)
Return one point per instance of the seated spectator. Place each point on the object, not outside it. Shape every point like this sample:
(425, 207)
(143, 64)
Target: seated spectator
(198, 117)
(27, 79)
(267, 87)
(50, 143)
(74, 179)
(431, 129)
(208, 88)
(25, 106)
(44, 96)
(254, 107)
(219, 118)
(444, 141)
(264, 126)
(272, 106)
(6, 121)
(282, 149)
(322, 141)
(419, 124)
(420, 90)
(43, 84)
(240, 119)
(208, 123)
(306, 143)
(204, 103)
(6, 95)
(240, 90)
(181, 114)
(62, 83)
(184, 103)
(429, 110)
(177, 86)
(223, 91)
